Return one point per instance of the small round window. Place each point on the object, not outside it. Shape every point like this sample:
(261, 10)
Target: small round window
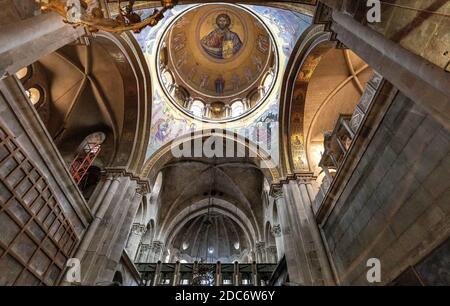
(34, 94)
(22, 73)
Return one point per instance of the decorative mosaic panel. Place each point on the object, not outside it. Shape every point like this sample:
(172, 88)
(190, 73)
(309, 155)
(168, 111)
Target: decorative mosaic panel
(36, 238)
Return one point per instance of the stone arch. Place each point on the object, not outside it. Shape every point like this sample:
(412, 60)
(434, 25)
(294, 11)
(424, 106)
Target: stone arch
(97, 84)
(133, 140)
(164, 155)
(313, 43)
(171, 230)
(325, 81)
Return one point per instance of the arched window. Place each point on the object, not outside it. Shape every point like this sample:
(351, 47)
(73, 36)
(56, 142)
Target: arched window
(22, 73)
(267, 82)
(197, 108)
(34, 94)
(167, 78)
(237, 108)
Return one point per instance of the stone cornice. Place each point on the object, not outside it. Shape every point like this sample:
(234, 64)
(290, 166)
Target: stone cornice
(301, 177)
(144, 184)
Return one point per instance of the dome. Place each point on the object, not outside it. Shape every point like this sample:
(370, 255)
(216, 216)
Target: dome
(217, 62)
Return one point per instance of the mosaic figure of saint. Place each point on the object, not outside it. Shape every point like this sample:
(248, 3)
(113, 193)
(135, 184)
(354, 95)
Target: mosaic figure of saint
(220, 84)
(222, 43)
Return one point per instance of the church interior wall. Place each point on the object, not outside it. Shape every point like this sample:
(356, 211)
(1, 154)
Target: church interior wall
(394, 206)
(386, 196)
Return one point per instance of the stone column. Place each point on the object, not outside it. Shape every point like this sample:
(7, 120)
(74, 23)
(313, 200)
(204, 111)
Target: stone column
(255, 274)
(101, 251)
(260, 258)
(137, 230)
(176, 275)
(144, 250)
(296, 255)
(96, 256)
(24, 42)
(218, 279)
(417, 78)
(276, 231)
(236, 274)
(271, 253)
(303, 249)
(104, 200)
(318, 259)
(97, 198)
(157, 278)
(156, 251)
(227, 111)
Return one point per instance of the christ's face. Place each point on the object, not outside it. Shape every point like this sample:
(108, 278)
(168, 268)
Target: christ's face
(222, 23)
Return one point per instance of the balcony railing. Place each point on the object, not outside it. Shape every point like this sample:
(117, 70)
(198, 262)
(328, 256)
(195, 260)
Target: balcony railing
(202, 274)
(337, 144)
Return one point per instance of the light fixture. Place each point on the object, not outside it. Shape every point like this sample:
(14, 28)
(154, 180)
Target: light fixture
(88, 14)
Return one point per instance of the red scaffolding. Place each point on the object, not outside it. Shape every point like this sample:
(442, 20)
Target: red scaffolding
(83, 160)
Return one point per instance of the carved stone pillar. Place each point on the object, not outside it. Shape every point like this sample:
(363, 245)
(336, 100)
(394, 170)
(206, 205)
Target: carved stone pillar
(106, 239)
(398, 65)
(24, 42)
(276, 231)
(289, 237)
(271, 254)
(137, 230)
(260, 255)
(306, 261)
(156, 251)
(144, 250)
(305, 208)
(296, 255)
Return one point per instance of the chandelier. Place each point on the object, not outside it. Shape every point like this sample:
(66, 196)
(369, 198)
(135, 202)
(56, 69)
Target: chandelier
(88, 14)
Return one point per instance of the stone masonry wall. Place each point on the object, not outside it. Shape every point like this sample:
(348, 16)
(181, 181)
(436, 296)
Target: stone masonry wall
(396, 205)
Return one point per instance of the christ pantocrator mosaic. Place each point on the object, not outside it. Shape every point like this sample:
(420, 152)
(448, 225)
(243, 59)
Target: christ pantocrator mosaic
(222, 43)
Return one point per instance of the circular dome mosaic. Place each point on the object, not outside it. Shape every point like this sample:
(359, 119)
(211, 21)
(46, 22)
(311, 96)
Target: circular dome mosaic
(217, 62)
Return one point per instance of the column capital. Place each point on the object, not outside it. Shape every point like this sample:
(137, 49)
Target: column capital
(157, 244)
(145, 247)
(303, 176)
(271, 248)
(276, 191)
(260, 245)
(116, 172)
(143, 188)
(138, 229)
(276, 230)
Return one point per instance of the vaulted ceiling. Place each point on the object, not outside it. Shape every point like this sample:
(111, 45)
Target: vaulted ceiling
(223, 189)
